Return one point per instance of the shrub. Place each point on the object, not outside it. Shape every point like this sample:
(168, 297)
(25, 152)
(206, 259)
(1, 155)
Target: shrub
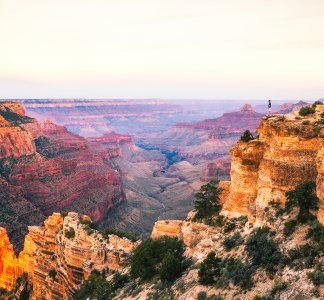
(215, 297)
(213, 270)
(202, 296)
(290, 227)
(262, 250)
(303, 257)
(52, 274)
(120, 233)
(209, 270)
(15, 118)
(317, 277)
(207, 200)
(233, 241)
(322, 115)
(171, 267)
(278, 287)
(247, 136)
(70, 233)
(88, 224)
(306, 122)
(277, 207)
(306, 110)
(317, 103)
(316, 233)
(229, 227)
(163, 257)
(304, 197)
(96, 287)
(119, 280)
(6, 166)
(63, 214)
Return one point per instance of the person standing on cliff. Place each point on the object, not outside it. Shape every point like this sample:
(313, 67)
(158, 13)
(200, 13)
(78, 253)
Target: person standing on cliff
(269, 107)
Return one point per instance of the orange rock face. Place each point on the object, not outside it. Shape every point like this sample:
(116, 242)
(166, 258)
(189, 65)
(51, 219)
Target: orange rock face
(9, 268)
(49, 251)
(286, 154)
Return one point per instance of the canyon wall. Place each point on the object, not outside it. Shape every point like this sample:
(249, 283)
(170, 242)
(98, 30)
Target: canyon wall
(57, 263)
(287, 152)
(45, 168)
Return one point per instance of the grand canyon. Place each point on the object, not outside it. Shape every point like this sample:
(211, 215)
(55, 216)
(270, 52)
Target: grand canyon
(60, 190)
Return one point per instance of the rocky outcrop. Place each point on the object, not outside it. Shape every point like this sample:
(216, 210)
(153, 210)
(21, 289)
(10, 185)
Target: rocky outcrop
(57, 263)
(12, 106)
(283, 156)
(9, 269)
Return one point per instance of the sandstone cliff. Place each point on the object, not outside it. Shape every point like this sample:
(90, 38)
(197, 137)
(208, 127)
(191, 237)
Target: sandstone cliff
(57, 263)
(287, 152)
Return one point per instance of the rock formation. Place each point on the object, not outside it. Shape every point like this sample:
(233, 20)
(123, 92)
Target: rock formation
(287, 152)
(57, 263)
(45, 168)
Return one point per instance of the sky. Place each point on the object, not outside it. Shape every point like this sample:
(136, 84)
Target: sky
(193, 49)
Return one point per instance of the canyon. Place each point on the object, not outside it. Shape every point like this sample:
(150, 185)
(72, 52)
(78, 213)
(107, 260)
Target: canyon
(287, 151)
(44, 168)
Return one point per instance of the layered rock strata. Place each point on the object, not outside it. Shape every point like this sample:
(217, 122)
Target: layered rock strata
(287, 152)
(57, 263)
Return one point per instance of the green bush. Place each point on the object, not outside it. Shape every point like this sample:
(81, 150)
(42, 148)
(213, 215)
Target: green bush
(317, 103)
(214, 270)
(162, 257)
(120, 233)
(215, 297)
(233, 241)
(322, 115)
(119, 280)
(262, 250)
(306, 122)
(306, 110)
(96, 287)
(303, 257)
(202, 296)
(229, 227)
(207, 200)
(70, 233)
(316, 233)
(6, 166)
(15, 118)
(290, 227)
(171, 267)
(317, 277)
(210, 269)
(247, 136)
(304, 197)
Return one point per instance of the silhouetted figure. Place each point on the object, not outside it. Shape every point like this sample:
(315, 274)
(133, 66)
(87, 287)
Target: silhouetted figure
(269, 107)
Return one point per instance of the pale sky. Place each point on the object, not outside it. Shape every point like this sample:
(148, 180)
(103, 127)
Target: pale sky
(216, 49)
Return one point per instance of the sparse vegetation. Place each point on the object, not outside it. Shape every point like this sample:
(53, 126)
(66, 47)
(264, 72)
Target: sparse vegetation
(233, 241)
(96, 287)
(304, 198)
(120, 233)
(306, 110)
(317, 103)
(214, 270)
(306, 122)
(290, 227)
(262, 250)
(247, 136)
(162, 257)
(69, 233)
(207, 200)
(52, 274)
(14, 118)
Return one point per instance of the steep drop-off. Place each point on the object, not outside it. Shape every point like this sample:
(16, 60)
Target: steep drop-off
(287, 152)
